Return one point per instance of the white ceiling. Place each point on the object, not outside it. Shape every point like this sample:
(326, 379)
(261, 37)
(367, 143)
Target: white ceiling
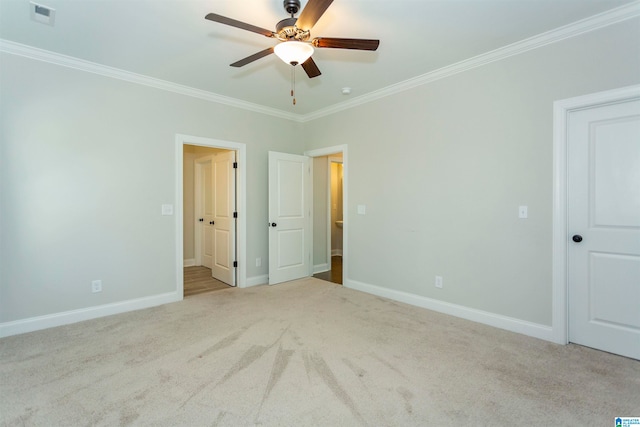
(170, 40)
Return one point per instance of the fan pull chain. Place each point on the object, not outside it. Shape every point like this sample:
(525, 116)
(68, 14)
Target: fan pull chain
(293, 83)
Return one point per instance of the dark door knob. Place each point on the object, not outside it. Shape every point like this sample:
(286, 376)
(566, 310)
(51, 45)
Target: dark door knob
(273, 224)
(577, 238)
(212, 222)
(201, 219)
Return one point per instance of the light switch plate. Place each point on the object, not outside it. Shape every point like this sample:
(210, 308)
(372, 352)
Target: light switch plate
(167, 209)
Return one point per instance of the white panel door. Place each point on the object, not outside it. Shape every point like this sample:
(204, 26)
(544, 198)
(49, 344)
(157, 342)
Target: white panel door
(604, 226)
(289, 217)
(224, 223)
(205, 208)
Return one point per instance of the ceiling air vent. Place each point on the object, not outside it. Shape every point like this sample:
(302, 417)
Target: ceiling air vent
(42, 14)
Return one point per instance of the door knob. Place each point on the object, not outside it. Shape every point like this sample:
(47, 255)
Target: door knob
(212, 222)
(577, 238)
(273, 224)
(201, 219)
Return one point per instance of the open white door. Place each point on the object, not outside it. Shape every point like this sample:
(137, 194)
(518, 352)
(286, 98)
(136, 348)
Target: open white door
(604, 227)
(224, 223)
(205, 209)
(289, 217)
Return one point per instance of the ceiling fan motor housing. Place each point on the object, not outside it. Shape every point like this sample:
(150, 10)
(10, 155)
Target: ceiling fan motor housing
(287, 30)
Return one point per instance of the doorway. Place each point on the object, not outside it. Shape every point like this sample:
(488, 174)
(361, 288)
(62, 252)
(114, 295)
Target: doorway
(596, 226)
(329, 217)
(209, 223)
(187, 149)
(334, 174)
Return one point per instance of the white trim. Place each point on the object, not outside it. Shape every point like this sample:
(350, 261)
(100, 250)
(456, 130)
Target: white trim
(26, 51)
(329, 233)
(67, 317)
(574, 29)
(241, 203)
(561, 110)
(491, 319)
(263, 279)
(191, 262)
(320, 268)
(327, 151)
(179, 213)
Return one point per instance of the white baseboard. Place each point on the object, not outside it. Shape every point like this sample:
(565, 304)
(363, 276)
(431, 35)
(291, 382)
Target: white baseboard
(336, 252)
(498, 321)
(256, 280)
(503, 322)
(321, 268)
(58, 319)
(191, 262)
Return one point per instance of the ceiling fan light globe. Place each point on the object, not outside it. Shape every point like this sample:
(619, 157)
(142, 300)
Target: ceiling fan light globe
(293, 52)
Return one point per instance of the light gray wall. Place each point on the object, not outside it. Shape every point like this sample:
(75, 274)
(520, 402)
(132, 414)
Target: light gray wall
(442, 169)
(85, 163)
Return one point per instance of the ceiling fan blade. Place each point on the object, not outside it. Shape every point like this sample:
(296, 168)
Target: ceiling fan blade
(311, 68)
(311, 13)
(337, 43)
(238, 24)
(253, 57)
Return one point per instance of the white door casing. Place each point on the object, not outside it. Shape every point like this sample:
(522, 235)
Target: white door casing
(204, 184)
(603, 206)
(224, 223)
(289, 217)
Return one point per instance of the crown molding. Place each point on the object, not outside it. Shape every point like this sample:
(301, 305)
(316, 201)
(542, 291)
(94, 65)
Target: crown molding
(586, 25)
(26, 51)
(577, 28)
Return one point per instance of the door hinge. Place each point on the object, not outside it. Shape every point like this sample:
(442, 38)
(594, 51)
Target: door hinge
(235, 263)
(235, 214)
(235, 165)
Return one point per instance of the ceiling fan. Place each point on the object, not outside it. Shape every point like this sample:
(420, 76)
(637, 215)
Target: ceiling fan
(296, 45)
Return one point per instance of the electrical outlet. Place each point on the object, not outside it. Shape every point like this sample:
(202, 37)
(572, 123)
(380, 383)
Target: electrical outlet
(439, 282)
(96, 286)
(523, 212)
(258, 262)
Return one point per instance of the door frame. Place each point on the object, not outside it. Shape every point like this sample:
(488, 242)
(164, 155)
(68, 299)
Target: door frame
(328, 151)
(241, 203)
(560, 236)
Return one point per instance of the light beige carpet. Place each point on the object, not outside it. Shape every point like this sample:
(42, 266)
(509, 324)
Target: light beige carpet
(304, 353)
